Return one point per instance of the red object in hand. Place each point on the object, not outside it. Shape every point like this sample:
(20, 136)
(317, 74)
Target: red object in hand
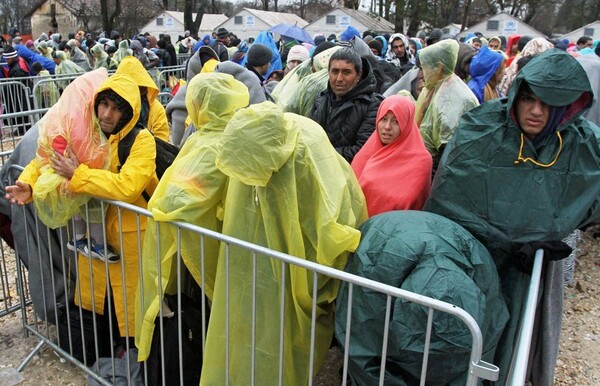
(59, 144)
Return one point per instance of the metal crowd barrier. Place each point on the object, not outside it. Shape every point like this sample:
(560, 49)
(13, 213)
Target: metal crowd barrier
(177, 72)
(15, 97)
(55, 336)
(181, 58)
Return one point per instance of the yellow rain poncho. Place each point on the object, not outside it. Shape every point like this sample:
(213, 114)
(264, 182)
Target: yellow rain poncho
(157, 117)
(68, 123)
(297, 92)
(290, 191)
(121, 183)
(445, 96)
(192, 191)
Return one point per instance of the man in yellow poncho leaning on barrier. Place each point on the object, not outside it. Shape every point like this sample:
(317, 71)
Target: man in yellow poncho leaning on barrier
(289, 190)
(191, 191)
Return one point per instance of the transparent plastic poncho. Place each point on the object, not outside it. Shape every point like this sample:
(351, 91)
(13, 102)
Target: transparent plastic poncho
(70, 122)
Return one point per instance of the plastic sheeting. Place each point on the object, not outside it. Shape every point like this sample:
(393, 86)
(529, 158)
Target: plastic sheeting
(297, 92)
(429, 255)
(64, 125)
(289, 190)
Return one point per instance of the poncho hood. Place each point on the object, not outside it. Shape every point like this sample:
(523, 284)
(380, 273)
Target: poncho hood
(212, 99)
(124, 85)
(268, 141)
(133, 67)
(558, 80)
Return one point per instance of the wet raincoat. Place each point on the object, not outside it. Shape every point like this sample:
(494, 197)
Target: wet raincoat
(192, 190)
(66, 67)
(156, 117)
(432, 256)
(67, 125)
(289, 191)
(505, 190)
(101, 58)
(397, 175)
(445, 96)
(122, 51)
(122, 183)
(46, 93)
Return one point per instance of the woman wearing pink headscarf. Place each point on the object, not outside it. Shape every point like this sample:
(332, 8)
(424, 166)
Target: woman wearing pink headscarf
(393, 168)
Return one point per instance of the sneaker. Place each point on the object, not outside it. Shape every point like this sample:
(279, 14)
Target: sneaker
(102, 252)
(78, 246)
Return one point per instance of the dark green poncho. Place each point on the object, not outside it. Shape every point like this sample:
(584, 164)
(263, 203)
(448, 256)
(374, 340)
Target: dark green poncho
(432, 256)
(502, 202)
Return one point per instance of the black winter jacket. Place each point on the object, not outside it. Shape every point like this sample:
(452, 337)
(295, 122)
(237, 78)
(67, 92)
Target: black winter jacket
(350, 121)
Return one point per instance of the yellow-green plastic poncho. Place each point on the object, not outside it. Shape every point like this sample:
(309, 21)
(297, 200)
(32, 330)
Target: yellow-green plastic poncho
(290, 191)
(101, 57)
(122, 51)
(68, 123)
(445, 96)
(46, 93)
(297, 92)
(192, 190)
(66, 67)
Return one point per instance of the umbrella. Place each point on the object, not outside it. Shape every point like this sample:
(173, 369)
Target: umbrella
(292, 31)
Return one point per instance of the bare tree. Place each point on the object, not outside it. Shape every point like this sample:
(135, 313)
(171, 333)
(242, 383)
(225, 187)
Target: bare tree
(109, 14)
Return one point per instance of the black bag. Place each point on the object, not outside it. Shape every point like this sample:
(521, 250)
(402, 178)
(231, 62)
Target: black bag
(191, 332)
(77, 325)
(165, 152)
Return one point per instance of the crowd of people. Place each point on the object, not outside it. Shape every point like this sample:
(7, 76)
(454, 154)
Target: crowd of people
(358, 125)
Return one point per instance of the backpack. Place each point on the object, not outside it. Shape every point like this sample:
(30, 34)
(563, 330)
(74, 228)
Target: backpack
(165, 152)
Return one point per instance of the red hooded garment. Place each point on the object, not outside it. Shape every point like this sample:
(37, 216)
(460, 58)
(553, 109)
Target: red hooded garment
(396, 176)
(512, 39)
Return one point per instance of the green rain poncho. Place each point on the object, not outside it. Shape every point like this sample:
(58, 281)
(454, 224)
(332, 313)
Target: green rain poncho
(122, 51)
(65, 67)
(46, 93)
(445, 96)
(192, 191)
(503, 200)
(432, 256)
(290, 191)
(102, 59)
(297, 92)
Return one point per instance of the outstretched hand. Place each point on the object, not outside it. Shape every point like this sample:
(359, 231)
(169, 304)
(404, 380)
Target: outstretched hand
(65, 165)
(19, 193)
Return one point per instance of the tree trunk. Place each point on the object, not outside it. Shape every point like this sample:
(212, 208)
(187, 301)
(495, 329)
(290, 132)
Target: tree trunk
(465, 18)
(399, 16)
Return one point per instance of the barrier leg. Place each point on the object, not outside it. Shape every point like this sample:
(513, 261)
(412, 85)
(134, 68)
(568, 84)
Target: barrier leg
(29, 356)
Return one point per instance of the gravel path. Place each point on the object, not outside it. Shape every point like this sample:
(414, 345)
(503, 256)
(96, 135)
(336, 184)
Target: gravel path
(578, 364)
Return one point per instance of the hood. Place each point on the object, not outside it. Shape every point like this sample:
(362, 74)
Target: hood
(558, 80)
(127, 89)
(444, 52)
(483, 66)
(43, 37)
(132, 67)
(391, 56)
(367, 84)
(212, 99)
(55, 38)
(197, 61)
(257, 94)
(465, 55)
(512, 39)
(262, 140)
(361, 48)
(349, 33)
(98, 52)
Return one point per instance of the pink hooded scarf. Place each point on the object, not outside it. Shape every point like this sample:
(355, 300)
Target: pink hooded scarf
(396, 176)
